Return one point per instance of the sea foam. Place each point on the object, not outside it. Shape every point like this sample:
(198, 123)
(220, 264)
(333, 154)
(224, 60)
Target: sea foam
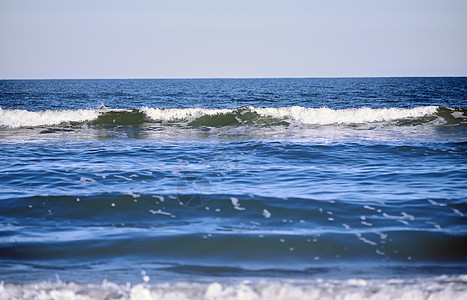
(23, 118)
(442, 287)
(318, 116)
(181, 114)
(325, 116)
(242, 115)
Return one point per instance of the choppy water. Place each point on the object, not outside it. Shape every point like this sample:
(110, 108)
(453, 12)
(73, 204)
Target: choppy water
(311, 187)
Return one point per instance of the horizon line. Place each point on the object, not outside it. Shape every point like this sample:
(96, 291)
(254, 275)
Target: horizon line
(271, 77)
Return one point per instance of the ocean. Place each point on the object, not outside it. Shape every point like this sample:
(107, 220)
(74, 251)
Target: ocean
(312, 188)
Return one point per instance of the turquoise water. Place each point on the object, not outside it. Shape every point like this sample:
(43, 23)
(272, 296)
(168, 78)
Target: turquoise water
(319, 184)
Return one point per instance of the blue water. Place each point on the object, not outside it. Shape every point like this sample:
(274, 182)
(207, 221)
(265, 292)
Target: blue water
(210, 179)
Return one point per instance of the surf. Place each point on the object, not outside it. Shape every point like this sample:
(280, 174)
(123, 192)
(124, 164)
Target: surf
(244, 115)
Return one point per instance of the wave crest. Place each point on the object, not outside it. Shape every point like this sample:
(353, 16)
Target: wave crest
(24, 118)
(326, 116)
(221, 117)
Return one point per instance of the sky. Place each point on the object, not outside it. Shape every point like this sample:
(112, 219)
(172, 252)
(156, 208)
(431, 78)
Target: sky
(232, 38)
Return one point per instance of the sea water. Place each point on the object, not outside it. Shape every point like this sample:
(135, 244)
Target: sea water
(233, 189)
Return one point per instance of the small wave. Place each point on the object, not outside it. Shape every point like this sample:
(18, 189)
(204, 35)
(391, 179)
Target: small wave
(245, 115)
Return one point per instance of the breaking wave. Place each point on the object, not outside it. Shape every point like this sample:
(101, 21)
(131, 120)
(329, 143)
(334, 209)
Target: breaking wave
(245, 115)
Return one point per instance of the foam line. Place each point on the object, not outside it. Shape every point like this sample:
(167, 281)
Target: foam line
(319, 116)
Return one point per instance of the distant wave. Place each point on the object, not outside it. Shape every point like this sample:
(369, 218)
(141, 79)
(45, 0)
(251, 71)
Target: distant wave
(246, 115)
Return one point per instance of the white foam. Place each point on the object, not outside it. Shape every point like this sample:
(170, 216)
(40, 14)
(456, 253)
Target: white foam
(441, 287)
(161, 212)
(236, 204)
(325, 116)
(181, 114)
(458, 115)
(319, 116)
(23, 118)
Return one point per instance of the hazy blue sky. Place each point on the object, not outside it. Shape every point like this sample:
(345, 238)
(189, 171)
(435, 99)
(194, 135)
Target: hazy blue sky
(223, 38)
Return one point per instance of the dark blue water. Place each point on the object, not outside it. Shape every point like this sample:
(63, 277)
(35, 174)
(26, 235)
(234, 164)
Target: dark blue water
(222, 179)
